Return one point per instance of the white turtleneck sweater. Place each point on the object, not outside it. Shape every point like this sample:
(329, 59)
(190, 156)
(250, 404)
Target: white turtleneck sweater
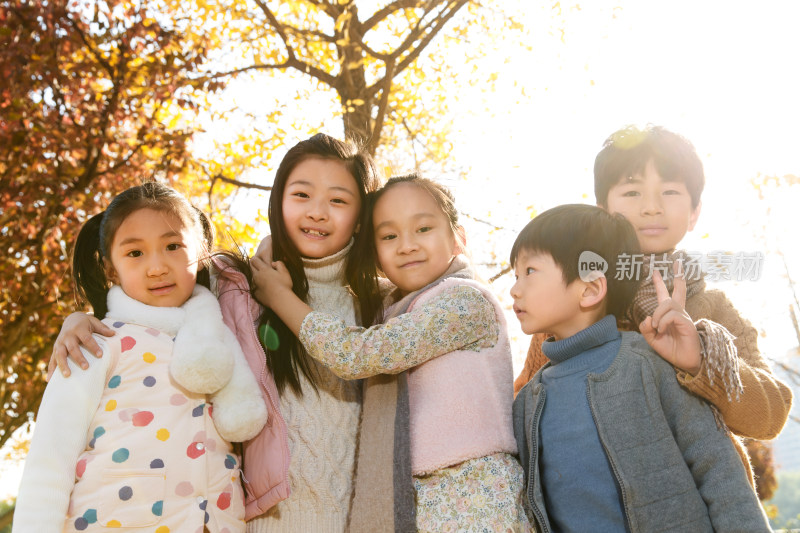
(322, 428)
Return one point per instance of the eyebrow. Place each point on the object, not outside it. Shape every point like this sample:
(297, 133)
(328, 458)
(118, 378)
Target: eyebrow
(132, 240)
(309, 184)
(415, 217)
(638, 179)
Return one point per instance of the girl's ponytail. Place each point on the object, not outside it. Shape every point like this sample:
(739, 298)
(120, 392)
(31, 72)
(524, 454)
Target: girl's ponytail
(88, 271)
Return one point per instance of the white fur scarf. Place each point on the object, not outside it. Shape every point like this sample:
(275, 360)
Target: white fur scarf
(206, 359)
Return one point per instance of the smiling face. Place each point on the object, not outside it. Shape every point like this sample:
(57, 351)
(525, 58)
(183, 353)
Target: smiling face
(154, 258)
(660, 211)
(543, 303)
(320, 207)
(413, 237)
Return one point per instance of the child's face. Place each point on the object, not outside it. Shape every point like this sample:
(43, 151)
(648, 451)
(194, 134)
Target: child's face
(660, 211)
(413, 237)
(154, 258)
(321, 205)
(543, 303)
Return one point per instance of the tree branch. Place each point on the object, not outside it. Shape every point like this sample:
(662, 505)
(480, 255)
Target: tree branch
(393, 7)
(277, 26)
(242, 184)
(430, 29)
(375, 138)
(500, 274)
(430, 35)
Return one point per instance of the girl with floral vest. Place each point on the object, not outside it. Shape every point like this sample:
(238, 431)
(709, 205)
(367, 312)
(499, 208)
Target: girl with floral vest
(131, 443)
(448, 415)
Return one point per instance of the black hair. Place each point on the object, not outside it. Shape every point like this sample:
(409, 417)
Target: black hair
(440, 194)
(289, 359)
(566, 231)
(95, 238)
(627, 151)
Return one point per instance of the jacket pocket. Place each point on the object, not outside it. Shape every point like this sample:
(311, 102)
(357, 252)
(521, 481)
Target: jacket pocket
(135, 497)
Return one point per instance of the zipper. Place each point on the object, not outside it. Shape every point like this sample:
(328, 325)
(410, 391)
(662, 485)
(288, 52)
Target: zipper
(535, 441)
(610, 459)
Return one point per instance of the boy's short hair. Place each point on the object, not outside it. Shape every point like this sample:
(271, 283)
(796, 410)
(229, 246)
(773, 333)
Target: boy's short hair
(566, 231)
(626, 152)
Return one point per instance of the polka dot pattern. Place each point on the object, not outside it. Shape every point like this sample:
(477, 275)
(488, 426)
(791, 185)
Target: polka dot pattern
(177, 399)
(121, 455)
(142, 418)
(184, 488)
(147, 426)
(127, 343)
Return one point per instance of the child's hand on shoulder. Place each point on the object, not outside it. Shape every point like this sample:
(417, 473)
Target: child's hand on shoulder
(272, 280)
(671, 331)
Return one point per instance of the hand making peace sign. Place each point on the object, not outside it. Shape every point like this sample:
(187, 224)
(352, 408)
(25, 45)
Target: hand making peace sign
(670, 331)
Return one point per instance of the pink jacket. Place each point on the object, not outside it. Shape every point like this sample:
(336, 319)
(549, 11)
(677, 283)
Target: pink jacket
(266, 457)
(460, 402)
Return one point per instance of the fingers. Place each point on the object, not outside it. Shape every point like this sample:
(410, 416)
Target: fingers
(678, 283)
(264, 251)
(670, 315)
(88, 342)
(99, 327)
(73, 351)
(646, 328)
(280, 267)
(661, 289)
(59, 354)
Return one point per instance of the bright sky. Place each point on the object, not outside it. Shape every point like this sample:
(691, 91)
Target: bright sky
(723, 74)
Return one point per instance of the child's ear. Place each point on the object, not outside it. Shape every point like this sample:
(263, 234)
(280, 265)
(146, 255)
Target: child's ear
(694, 216)
(594, 292)
(111, 274)
(461, 241)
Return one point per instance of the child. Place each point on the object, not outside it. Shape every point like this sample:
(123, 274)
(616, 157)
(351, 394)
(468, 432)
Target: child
(448, 331)
(654, 178)
(131, 442)
(299, 470)
(608, 439)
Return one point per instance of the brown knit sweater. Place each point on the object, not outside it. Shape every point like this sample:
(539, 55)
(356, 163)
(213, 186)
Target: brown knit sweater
(764, 405)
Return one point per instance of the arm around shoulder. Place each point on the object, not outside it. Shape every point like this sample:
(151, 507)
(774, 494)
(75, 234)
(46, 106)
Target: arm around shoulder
(459, 318)
(762, 408)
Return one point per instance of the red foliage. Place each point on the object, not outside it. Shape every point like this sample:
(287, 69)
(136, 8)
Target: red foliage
(84, 94)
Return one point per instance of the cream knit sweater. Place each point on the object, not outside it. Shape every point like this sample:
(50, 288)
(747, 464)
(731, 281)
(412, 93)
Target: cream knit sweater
(322, 428)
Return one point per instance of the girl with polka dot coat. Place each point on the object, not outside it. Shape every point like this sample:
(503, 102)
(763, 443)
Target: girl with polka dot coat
(136, 450)
(140, 441)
